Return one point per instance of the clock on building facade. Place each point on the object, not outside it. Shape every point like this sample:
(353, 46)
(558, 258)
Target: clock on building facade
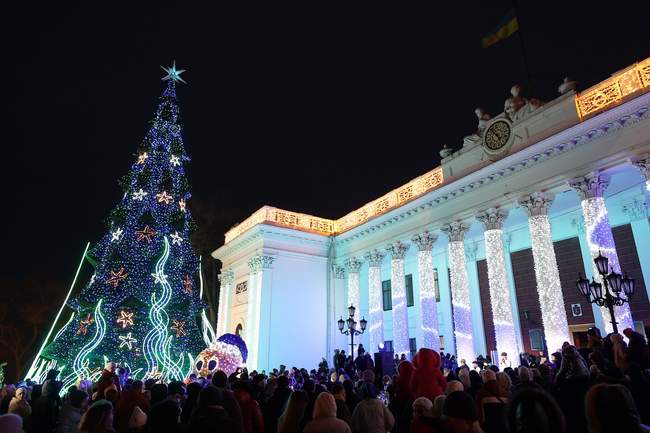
(498, 136)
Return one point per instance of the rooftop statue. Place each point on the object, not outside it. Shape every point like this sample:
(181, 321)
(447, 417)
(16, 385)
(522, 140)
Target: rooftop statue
(517, 107)
(483, 119)
(566, 86)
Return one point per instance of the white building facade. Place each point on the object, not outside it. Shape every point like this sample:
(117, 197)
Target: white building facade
(478, 256)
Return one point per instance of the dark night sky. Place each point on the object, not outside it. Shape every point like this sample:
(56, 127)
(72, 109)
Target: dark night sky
(309, 110)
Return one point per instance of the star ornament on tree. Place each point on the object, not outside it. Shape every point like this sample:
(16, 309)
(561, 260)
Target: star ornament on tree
(139, 195)
(117, 277)
(179, 327)
(142, 158)
(84, 324)
(176, 238)
(173, 73)
(182, 204)
(125, 319)
(164, 197)
(117, 234)
(127, 340)
(159, 277)
(175, 161)
(188, 284)
(146, 234)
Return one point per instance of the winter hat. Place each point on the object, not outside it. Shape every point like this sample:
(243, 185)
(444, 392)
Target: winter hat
(138, 418)
(11, 423)
(459, 404)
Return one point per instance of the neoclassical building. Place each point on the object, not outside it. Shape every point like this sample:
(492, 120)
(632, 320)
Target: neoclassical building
(478, 255)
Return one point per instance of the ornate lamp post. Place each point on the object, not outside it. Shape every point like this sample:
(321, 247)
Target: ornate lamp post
(614, 284)
(351, 326)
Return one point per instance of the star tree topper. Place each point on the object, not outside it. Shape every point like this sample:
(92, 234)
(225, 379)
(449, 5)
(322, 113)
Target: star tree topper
(173, 73)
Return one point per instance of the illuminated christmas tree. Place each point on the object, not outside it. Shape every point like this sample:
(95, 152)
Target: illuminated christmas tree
(141, 308)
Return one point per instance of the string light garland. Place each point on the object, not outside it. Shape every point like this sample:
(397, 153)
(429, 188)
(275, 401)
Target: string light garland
(123, 278)
(428, 307)
(547, 275)
(502, 317)
(591, 189)
(401, 344)
(125, 319)
(375, 299)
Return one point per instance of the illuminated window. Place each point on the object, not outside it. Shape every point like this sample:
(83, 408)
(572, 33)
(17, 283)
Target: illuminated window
(413, 347)
(436, 285)
(409, 290)
(386, 295)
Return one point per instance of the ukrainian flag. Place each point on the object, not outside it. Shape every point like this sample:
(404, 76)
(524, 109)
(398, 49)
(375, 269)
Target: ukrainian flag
(506, 27)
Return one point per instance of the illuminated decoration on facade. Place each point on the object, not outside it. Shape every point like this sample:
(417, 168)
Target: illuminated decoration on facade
(629, 82)
(127, 341)
(504, 328)
(164, 197)
(397, 251)
(115, 236)
(428, 308)
(178, 326)
(459, 283)
(591, 189)
(227, 278)
(353, 265)
(547, 275)
(125, 319)
(146, 234)
(270, 215)
(376, 309)
(123, 270)
(140, 194)
(117, 277)
(84, 324)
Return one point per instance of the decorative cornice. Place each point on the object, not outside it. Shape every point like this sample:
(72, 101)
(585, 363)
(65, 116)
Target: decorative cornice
(536, 204)
(643, 164)
(492, 218)
(455, 230)
(374, 258)
(259, 263)
(424, 240)
(339, 272)
(635, 210)
(397, 250)
(353, 264)
(550, 148)
(591, 185)
(227, 277)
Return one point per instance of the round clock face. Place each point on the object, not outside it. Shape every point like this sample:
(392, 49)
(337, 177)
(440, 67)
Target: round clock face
(497, 135)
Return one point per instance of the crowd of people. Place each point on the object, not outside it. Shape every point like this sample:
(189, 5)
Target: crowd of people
(602, 388)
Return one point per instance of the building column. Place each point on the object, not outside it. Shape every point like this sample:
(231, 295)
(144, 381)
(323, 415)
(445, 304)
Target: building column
(478, 329)
(397, 251)
(504, 328)
(547, 275)
(375, 300)
(637, 213)
(336, 339)
(353, 265)
(223, 312)
(258, 327)
(461, 310)
(428, 310)
(591, 189)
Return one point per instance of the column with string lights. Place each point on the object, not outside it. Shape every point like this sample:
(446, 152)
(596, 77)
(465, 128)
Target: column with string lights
(223, 312)
(397, 251)
(375, 299)
(428, 308)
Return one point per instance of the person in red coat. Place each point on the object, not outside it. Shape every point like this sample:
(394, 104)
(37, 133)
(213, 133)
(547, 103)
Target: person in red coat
(428, 381)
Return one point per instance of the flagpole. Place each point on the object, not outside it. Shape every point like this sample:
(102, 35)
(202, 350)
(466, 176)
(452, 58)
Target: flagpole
(529, 84)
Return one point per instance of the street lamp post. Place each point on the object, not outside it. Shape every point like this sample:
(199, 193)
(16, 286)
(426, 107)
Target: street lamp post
(351, 326)
(614, 282)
